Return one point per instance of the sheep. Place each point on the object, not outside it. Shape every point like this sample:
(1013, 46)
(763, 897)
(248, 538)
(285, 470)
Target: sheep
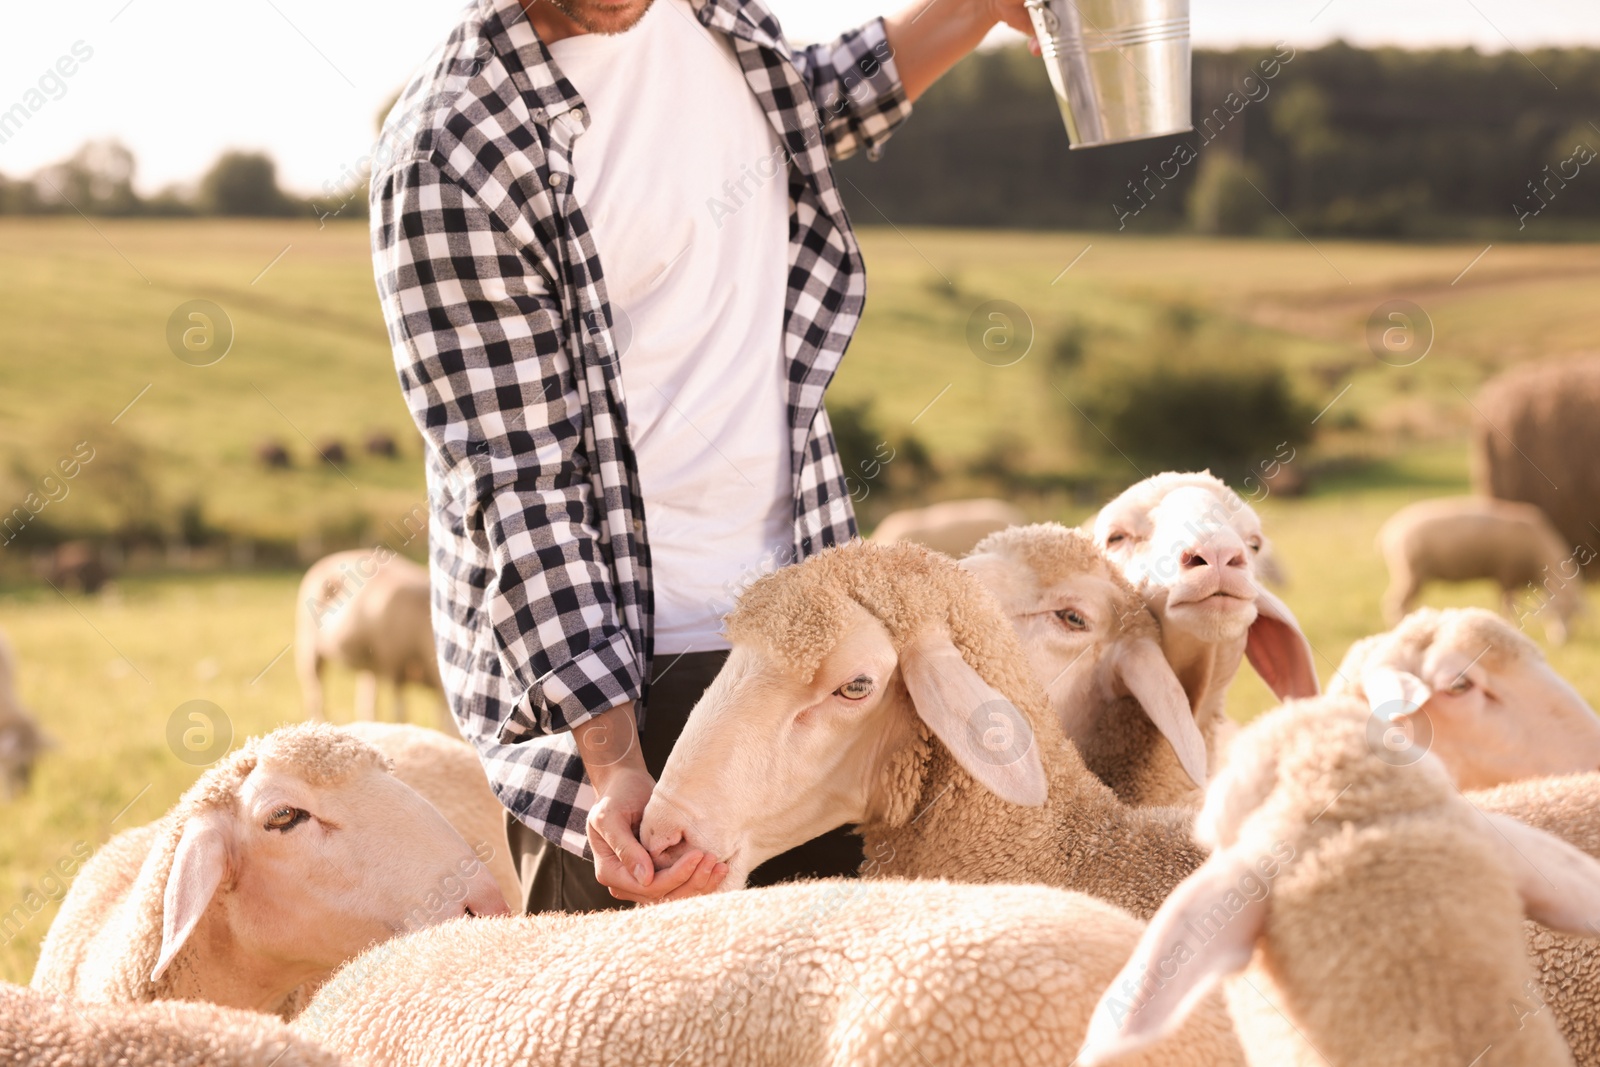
(953, 527)
(285, 859)
(41, 1030)
(1129, 717)
(1478, 693)
(448, 774)
(21, 740)
(1460, 539)
(1193, 547)
(881, 686)
(921, 974)
(369, 610)
(1362, 913)
(1528, 444)
(273, 455)
(1568, 964)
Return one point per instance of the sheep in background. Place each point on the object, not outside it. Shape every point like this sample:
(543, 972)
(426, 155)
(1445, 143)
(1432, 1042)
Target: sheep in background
(953, 527)
(40, 1030)
(287, 858)
(367, 610)
(1193, 547)
(1528, 443)
(1371, 916)
(448, 774)
(1124, 709)
(21, 740)
(1462, 539)
(881, 686)
(808, 974)
(1479, 693)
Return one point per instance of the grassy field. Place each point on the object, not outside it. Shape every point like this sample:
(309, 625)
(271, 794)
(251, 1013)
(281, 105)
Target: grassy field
(87, 312)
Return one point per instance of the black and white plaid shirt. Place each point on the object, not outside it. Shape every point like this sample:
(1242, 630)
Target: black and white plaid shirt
(497, 310)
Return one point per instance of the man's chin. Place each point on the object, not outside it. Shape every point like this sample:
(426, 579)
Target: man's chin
(604, 16)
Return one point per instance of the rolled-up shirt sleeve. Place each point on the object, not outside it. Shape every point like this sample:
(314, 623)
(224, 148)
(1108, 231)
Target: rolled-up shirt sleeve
(480, 348)
(857, 90)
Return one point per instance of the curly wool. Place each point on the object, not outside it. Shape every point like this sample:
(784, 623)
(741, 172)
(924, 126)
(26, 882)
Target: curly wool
(1394, 904)
(1568, 966)
(880, 973)
(40, 1030)
(939, 821)
(1405, 646)
(107, 947)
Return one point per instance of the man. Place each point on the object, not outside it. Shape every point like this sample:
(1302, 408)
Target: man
(618, 276)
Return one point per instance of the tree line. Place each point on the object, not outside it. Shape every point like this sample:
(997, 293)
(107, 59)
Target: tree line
(1336, 140)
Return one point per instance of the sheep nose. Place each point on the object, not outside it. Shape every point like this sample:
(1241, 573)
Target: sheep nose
(1214, 552)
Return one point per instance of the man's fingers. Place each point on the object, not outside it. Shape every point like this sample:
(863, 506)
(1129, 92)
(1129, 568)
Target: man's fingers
(708, 875)
(668, 883)
(614, 829)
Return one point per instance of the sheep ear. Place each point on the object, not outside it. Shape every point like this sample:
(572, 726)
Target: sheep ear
(1143, 671)
(985, 732)
(1278, 649)
(1206, 930)
(1392, 693)
(1559, 883)
(199, 864)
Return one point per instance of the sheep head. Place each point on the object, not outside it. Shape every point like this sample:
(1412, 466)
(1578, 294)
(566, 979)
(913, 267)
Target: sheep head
(1308, 768)
(1087, 632)
(1193, 547)
(298, 852)
(1479, 693)
(845, 670)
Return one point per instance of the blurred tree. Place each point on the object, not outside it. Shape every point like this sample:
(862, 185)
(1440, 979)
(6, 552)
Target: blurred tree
(243, 183)
(96, 180)
(1227, 197)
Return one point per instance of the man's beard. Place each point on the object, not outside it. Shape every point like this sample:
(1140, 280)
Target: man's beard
(602, 17)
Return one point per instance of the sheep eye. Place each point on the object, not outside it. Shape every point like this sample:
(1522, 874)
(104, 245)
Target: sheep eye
(1073, 619)
(286, 818)
(1115, 538)
(857, 688)
(1460, 685)
(1255, 544)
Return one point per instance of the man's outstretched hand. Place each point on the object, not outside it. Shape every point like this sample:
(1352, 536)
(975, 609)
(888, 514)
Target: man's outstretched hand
(609, 746)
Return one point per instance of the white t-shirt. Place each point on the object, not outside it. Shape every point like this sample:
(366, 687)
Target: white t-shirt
(685, 186)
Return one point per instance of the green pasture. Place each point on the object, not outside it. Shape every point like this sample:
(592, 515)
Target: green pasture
(86, 313)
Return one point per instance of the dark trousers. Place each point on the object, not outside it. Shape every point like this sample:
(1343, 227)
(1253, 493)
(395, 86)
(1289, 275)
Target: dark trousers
(553, 879)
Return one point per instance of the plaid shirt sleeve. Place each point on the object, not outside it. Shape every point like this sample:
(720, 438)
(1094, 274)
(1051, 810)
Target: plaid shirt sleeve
(479, 347)
(857, 89)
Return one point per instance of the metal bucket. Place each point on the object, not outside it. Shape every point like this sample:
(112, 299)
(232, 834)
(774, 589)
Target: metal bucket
(1120, 67)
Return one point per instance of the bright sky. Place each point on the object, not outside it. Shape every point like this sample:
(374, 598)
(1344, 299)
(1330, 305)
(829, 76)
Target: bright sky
(180, 80)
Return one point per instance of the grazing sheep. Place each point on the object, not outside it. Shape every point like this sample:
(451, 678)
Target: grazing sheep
(1362, 913)
(448, 774)
(21, 740)
(1477, 693)
(1125, 710)
(381, 443)
(367, 609)
(273, 455)
(953, 527)
(1462, 539)
(41, 1030)
(1193, 547)
(287, 858)
(332, 450)
(920, 974)
(881, 686)
(76, 565)
(1528, 444)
